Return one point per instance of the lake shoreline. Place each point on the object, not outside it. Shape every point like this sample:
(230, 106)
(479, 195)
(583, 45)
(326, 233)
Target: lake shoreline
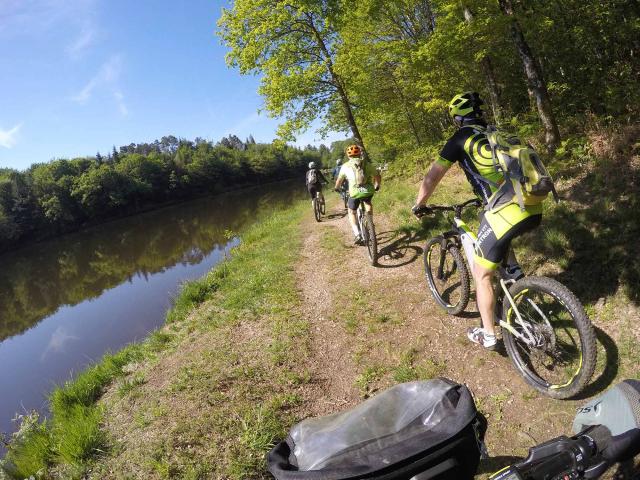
(24, 243)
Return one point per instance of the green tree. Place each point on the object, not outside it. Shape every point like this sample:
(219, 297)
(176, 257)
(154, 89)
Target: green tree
(293, 45)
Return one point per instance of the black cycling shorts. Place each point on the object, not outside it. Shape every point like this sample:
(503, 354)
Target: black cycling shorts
(313, 189)
(354, 203)
(491, 250)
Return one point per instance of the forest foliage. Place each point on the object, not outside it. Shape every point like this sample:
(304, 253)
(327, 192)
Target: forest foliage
(386, 69)
(61, 195)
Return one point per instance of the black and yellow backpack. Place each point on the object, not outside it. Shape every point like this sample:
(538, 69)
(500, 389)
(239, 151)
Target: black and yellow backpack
(526, 178)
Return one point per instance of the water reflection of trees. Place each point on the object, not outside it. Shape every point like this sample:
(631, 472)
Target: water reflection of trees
(36, 281)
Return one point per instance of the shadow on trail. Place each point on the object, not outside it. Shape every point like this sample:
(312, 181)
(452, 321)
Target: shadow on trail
(395, 248)
(465, 314)
(337, 215)
(610, 371)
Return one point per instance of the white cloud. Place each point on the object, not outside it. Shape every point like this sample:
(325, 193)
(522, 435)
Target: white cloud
(57, 342)
(8, 137)
(107, 77)
(108, 74)
(33, 17)
(122, 107)
(84, 40)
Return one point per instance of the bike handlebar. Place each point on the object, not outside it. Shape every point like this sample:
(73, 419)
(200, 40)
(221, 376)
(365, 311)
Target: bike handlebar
(586, 455)
(457, 208)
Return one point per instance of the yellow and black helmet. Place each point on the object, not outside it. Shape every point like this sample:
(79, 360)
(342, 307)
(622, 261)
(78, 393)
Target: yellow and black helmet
(465, 104)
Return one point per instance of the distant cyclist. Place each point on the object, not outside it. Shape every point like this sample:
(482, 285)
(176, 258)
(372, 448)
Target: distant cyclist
(469, 146)
(364, 181)
(315, 179)
(336, 170)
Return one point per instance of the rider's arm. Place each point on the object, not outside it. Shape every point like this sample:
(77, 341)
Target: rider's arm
(340, 180)
(430, 182)
(322, 177)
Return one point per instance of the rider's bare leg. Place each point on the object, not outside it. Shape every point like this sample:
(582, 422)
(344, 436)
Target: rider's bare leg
(485, 296)
(354, 222)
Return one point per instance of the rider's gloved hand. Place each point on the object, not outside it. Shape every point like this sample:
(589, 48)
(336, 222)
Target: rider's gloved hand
(376, 188)
(420, 210)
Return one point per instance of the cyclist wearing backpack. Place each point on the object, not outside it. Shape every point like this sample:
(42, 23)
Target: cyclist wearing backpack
(336, 170)
(507, 213)
(315, 179)
(364, 181)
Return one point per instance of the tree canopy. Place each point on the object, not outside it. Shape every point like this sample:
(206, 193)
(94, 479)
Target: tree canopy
(55, 197)
(385, 69)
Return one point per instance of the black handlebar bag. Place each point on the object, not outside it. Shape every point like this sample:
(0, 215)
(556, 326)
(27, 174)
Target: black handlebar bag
(416, 431)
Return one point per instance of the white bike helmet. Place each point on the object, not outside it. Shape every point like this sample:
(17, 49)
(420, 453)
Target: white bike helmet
(312, 165)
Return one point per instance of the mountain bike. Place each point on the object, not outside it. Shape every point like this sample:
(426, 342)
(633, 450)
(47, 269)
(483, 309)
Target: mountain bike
(318, 206)
(368, 233)
(344, 194)
(545, 330)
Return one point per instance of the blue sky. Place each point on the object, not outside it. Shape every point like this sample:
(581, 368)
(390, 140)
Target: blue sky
(78, 76)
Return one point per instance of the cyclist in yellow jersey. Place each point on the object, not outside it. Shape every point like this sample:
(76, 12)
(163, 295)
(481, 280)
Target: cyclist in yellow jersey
(469, 146)
(364, 181)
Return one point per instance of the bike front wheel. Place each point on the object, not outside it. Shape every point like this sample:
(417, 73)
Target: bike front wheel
(370, 238)
(323, 210)
(316, 209)
(554, 344)
(447, 275)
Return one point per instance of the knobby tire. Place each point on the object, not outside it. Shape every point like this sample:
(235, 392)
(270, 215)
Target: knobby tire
(371, 240)
(525, 288)
(458, 265)
(316, 209)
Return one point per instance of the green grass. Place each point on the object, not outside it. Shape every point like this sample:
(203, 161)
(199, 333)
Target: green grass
(411, 367)
(194, 293)
(368, 378)
(72, 434)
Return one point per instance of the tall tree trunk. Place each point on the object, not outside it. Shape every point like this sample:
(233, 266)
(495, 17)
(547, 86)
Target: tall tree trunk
(535, 80)
(487, 70)
(405, 106)
(492, 85)
(338, 84)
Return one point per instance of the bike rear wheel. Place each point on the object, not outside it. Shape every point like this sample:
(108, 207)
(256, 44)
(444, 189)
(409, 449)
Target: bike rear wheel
(563, 359)
(370, 239)
(447, 275)
(316, 209)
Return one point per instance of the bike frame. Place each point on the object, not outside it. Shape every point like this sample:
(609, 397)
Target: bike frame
(361, 213)
(462, 235)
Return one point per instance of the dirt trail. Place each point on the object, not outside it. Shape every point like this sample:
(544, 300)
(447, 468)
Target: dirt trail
(330, 364)
(372, 327)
